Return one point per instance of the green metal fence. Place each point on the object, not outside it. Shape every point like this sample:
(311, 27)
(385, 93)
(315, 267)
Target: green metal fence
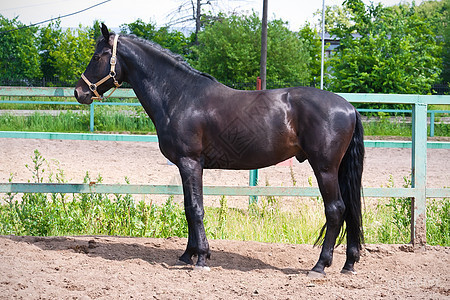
(128, 93)
(419, 192)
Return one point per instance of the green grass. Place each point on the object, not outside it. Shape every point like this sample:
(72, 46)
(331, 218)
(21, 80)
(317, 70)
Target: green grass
(37, 107)
(385, 220)
(439, 107)
(67, 122)
(266, 222)
(106, 119)
(384, 126)
(135, 120)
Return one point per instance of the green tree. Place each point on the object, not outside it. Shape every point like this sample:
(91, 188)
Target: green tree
(436, 13)
(19, 58)
(57, 47)
(446, 49)
(49, 41)
(313, 43)
(335, 16)
(229, 49)
(73, 53)
(288, 57)
(95, 31)
(173, 40)
(395, 51)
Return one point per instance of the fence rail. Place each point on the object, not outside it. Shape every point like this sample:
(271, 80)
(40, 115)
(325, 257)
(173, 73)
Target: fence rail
(419, 192)
(128, 93)
(75, 188)
(154, 138)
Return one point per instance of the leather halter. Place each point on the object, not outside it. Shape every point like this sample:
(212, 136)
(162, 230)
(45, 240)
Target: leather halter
(112, 74)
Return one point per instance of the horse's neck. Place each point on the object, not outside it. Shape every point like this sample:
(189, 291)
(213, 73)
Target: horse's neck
(160, 89)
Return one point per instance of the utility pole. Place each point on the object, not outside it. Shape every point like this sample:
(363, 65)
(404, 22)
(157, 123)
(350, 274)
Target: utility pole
(263, 63)
(323, 46)
(197, 20)
(260, 85)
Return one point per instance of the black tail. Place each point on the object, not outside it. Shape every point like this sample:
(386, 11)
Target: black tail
(350, 173)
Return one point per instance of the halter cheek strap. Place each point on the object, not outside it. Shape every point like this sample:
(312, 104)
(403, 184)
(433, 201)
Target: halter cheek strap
(112, 74)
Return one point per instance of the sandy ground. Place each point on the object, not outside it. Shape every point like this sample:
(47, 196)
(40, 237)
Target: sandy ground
(141, 268)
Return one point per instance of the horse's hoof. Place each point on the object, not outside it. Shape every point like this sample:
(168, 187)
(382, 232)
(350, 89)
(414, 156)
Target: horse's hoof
(186, 260)
(181, 263)
(202, 268)
(315, 275)
(348, 272)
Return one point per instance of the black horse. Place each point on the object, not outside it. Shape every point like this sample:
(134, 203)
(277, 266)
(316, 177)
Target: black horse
(202, 123)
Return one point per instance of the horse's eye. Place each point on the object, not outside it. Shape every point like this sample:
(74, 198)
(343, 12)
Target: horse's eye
(96, 57)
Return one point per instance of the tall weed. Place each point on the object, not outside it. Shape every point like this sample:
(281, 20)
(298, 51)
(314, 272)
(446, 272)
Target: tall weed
(392, 221)
(398, 230)
(265, 221)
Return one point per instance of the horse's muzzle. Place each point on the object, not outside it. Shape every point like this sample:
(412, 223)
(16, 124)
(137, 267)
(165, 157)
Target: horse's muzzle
(82, 96)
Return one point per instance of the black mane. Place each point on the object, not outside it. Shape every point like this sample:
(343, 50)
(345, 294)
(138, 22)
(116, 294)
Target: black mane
(178, 59)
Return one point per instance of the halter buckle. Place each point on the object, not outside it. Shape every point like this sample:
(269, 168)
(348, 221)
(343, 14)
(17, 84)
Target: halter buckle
(93, 87)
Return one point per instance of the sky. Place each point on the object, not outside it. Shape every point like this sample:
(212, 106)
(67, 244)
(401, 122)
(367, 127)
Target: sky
(117, 12)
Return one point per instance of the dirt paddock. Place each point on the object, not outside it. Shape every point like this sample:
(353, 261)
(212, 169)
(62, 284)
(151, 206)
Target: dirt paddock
(141, 268)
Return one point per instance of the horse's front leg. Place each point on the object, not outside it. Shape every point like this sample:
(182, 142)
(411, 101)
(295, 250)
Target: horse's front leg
(191, 172)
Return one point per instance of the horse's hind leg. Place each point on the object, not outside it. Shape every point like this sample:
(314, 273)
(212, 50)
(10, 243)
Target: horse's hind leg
(191, 175)
(352, 248)
(327, 178)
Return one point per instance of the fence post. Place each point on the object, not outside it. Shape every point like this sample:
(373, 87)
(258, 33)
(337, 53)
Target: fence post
(419, 174)
(432, 123)
(91, 117)
(253, 181)
(253, 176)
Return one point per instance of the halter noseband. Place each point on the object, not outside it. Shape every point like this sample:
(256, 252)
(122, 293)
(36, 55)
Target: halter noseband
(112, 74)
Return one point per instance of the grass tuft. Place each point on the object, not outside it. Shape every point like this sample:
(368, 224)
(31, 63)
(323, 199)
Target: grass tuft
(387, 221)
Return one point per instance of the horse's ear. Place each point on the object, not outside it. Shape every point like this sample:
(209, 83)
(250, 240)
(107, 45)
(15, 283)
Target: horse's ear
(105, 32)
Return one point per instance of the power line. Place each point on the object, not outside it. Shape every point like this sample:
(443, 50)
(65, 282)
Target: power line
(68, 15)
(29, 6)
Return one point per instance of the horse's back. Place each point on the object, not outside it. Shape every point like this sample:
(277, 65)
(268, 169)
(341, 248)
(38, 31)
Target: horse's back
(320, 100)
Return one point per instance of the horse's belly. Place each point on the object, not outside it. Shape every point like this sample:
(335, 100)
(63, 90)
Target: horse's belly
(246, 155)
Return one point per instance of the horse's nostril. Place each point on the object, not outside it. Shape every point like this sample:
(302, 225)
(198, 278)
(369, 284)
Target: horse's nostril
(75, 93)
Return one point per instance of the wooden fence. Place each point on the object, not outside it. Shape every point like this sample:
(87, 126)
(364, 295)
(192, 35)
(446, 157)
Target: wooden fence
(418, 192)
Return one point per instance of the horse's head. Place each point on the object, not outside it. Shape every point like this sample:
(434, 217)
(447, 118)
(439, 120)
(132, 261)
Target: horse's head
(103, 71)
